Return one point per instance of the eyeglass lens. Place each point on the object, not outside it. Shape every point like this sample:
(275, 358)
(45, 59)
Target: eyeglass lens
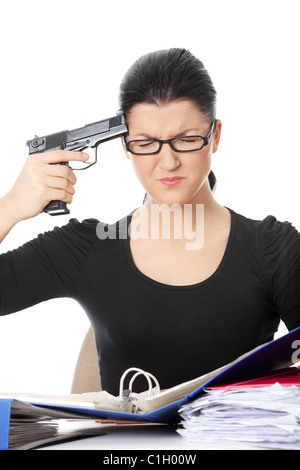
(182, 144)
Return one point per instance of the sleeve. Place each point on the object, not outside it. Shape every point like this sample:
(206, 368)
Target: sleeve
(46, 267)
(280, 244)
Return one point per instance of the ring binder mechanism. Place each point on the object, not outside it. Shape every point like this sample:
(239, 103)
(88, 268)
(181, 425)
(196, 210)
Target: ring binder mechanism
(127, 398)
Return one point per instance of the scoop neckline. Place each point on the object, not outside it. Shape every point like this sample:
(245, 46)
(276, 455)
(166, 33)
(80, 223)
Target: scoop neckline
(188, 286)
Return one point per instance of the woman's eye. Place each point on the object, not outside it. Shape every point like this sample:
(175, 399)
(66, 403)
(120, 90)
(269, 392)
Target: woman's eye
(145, 144)
(188, 139)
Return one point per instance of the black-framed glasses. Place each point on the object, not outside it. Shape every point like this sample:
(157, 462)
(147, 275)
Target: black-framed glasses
(185, 143)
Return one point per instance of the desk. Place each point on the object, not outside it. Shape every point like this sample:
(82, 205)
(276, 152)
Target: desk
(146, 438)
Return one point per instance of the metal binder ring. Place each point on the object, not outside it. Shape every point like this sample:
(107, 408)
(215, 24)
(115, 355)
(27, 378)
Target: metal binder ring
(147, 375)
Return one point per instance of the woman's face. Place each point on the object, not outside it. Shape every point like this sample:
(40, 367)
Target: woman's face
(190, 170)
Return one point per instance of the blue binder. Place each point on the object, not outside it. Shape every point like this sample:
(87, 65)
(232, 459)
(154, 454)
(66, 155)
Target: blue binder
(5, 406)
(277, 354)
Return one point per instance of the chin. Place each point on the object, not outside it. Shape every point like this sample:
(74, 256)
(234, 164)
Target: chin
(183, 194)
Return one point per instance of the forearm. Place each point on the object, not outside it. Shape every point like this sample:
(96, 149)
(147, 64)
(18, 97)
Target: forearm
(7, 217)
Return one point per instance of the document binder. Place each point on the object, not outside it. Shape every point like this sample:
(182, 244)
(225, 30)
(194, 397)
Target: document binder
(5, 405)
(163, 407)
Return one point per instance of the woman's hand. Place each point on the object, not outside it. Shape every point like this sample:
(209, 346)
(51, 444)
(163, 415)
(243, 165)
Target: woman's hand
(41, 182)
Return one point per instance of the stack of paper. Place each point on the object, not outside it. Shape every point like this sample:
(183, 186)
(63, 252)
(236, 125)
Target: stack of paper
(262, 417)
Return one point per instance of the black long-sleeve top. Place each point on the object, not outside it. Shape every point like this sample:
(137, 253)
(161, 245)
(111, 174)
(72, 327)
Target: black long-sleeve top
(175, 332)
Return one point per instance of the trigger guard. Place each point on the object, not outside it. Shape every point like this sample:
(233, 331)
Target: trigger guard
(91, 151)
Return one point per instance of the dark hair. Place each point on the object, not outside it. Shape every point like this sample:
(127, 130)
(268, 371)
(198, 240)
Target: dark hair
(167, 75)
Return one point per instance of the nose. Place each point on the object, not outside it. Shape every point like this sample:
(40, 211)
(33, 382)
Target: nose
(168, 158)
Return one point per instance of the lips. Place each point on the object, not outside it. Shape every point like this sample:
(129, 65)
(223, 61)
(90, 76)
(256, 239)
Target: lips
(171, 181)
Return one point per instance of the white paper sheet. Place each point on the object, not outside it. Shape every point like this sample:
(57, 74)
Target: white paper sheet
(267, 416)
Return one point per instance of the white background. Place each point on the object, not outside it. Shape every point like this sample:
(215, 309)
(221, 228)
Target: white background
(61, 65)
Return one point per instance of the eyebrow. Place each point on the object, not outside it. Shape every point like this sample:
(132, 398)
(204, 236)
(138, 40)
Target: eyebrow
(182, 133)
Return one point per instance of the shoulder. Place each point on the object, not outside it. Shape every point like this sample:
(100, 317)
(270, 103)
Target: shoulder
(90, 230)
(73, 232)
(268, 229)
(278, 242)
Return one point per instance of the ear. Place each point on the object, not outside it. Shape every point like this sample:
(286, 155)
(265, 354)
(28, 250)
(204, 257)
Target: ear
(124, 148)
(217, 135)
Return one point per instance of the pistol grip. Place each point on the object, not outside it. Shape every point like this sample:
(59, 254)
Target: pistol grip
(57, 207)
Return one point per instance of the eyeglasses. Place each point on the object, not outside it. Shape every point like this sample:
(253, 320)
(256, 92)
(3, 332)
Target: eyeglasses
(185, 143)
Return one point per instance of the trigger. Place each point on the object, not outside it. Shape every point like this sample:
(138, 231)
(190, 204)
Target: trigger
(92, 152)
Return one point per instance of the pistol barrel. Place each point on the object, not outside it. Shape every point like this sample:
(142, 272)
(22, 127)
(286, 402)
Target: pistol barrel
(87, 136)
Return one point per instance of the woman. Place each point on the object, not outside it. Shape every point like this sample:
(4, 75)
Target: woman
(158, 302)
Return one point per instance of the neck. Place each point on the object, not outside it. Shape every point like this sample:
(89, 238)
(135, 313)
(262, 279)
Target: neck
(178, 222)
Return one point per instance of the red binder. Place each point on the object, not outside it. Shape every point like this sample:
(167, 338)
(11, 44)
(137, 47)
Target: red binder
(285, 377)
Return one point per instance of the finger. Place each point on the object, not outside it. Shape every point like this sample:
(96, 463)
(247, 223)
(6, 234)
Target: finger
(61, 184)
(61, 171)
(59, 195)
(57, 156)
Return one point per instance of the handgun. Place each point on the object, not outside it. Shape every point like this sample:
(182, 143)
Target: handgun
(81, 139)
